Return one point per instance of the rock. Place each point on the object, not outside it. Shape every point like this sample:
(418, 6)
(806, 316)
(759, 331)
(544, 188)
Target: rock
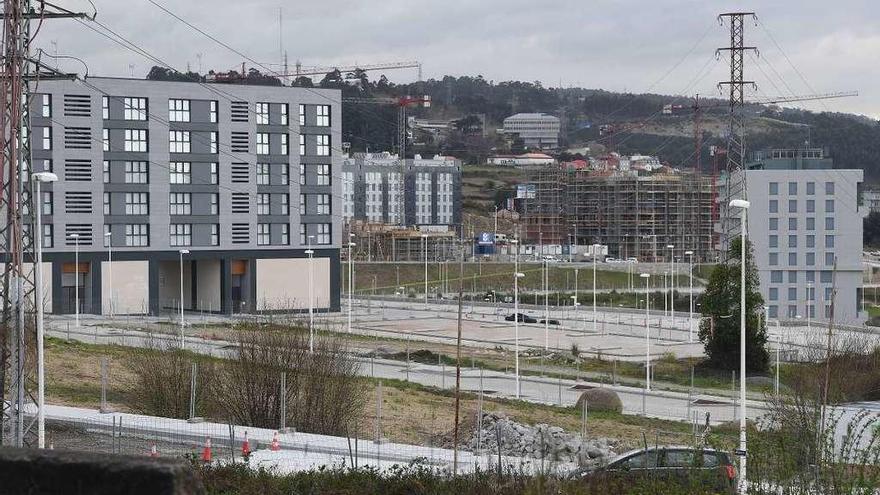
(600, 399)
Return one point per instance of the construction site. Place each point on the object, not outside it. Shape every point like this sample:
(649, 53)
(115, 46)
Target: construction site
(635, 215)
(384, 242)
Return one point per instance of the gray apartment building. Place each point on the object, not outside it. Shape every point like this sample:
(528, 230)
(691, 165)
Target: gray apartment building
(236, 181)
(804, 215)
(537, 130)
(378, 188)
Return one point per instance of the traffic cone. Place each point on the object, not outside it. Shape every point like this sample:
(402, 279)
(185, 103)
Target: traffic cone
(154, 452)
(275, 447)
(246, 446)
(206, 452)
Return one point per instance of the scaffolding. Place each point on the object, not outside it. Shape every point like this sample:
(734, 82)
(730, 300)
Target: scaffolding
(636, 216)
(384, 242)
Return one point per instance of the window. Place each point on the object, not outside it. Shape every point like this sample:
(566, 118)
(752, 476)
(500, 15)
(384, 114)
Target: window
(106, 139)
(105, 107)
(214, 176)
(215, 234)
(811, 205)
(46, 107)
(773, 312)
(47, 138)
(285, 174)
(825, 277)
(302, 145)
(322, 147)
(179, 173)
(285, 234)
(263, 204)
(322, 175)
(792, 276)
(137, 234)
(792, 241)
(323, 115)
(285, 204)
(792, 259)
(792, 293)
(134, 108)
(262, 111)
(178, 141)
(262, 143)
(792, 206)
(181, 204)
(829, 241)
(829, 188)
(180, 234)
(106, 203)
(136, 173)
(302, 115)
(263, 234)
(773, 259)
(811, 276)
(262, 174)
(215, 204)
(213, 148)
(178, 110)
(106, 172)
(302, 233)
(137, 203)
(811, 188)
(774, 224)
(776, 276)
(284, 144)
(829, 206)
(811, 241)
(47, 203)
(811, 223)
(773, 241)
(136, 140)
(792, 188)
(284, 119)
(829, 223)
(641, 460)
(774, 188)
(322, 204)
(774, 206)
(829, 259)
(213, 112)
(811, 259)
(773, 294)
(323, 233)
(302, 204)
(47, 236)
(302, 174)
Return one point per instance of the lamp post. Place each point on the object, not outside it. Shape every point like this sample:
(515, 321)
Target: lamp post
(311, 252)
(647, 276)
(743, 205)
(516, 277)
(109, 237)
(425, 249)
(809, 306)
(690, 255)
(75, 238)
(576, 297)
(350, 277)
(546, 306)
(595, 323)
(182, 324)
(671, 249)
(38, 299)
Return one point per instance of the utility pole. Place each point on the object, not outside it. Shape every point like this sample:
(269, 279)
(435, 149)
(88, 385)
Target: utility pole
(17, 320)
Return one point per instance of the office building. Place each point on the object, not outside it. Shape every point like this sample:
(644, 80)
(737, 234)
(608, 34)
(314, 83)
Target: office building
(805, 227)
(378, 188)
(219, 189)
(537, 130)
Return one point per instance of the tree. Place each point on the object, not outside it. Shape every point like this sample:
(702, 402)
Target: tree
(720, 332)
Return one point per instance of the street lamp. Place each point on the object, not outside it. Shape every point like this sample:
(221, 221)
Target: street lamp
(182, 323)
(595, 324)
(671, 249)
(690, 255)
(647, 276)
(743, 205)
(75, 238)
(516, 277)
(425, 248)
(311, 252)
(809, 307)
(350, 277)
(38, 298)
(109, 237)
(546, 306)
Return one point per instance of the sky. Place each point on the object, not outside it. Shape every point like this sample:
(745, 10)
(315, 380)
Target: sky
(658, 46)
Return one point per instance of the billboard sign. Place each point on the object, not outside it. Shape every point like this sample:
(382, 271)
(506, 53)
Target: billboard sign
(486, 239)
(525, 191)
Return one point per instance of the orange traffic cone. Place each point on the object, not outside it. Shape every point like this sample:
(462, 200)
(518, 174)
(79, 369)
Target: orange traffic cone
(206, 452)
(246, 446)
(275, 446)
(154, 452)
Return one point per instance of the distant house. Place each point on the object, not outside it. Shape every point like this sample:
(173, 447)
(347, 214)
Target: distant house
(537, 130)
(522, 160)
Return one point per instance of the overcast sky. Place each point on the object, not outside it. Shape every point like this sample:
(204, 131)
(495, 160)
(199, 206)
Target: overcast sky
(660, 46)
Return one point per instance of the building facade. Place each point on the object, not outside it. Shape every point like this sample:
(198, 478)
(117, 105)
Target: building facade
(537, 130)
(218, 189)
(805, 226)
(378, 188)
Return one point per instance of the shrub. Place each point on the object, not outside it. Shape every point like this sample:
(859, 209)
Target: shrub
(600, 400)
(162, 378)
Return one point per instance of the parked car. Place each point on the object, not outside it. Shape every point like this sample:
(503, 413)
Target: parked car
(687, 467)
(609, 259)
(550, 259)
(632, 260)
(550, 322)
(522, 318)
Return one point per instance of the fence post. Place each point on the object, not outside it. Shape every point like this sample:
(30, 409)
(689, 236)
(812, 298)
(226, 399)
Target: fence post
(104, 372)
(378, 421)
(480, 417)
(584, 410)
(192, 390)
(283, 395)
(559, 378)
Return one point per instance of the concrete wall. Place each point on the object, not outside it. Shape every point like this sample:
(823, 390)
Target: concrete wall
(208, 285)
(130, 285)
(169, 284)
(283, 283)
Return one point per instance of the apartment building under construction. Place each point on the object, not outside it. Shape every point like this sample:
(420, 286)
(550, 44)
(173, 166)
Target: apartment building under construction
(634, 215)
